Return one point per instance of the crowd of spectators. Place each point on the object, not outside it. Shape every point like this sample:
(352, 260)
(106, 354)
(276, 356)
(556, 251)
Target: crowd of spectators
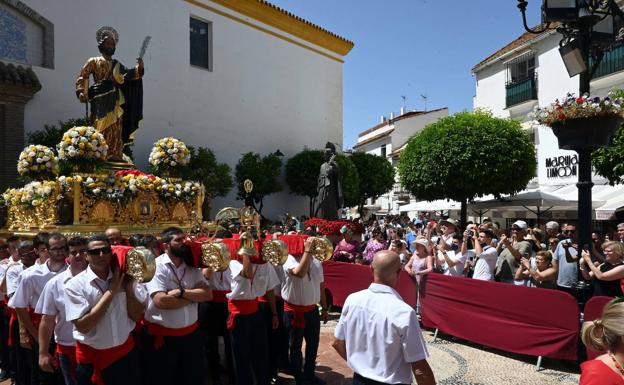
(545, 257)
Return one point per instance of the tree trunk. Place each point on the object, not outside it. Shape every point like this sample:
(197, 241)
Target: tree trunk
(464, 214)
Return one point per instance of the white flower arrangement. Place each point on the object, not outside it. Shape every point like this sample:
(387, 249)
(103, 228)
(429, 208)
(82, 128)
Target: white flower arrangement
(168, 153)
(572, 107)
(33, 194)
(84, 143)
(37, 159)
(182, 191)
(104, 186)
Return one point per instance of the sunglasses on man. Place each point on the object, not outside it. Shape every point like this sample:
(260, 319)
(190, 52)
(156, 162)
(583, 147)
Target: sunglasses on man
(100, 251)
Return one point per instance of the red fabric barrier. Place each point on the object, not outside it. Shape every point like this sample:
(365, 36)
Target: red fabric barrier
(342, 279)
(295, 242)
(537, 322)
(593, 311)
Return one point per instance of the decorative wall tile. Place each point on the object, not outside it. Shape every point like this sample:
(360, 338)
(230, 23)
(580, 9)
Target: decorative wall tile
(12, 37)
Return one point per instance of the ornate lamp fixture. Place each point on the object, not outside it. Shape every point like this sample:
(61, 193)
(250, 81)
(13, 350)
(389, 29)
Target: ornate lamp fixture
(589, 28)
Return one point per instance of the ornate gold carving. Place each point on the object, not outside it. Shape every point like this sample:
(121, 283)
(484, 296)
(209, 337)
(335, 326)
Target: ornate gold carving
(180, 213)
(102, 213)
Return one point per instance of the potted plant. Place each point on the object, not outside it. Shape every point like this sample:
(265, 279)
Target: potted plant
(583, 122)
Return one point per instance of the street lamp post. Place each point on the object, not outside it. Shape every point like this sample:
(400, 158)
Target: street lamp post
(588, 28)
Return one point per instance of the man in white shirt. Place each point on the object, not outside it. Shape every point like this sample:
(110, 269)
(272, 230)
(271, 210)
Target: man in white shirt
(247, 327)
(302, 290)
(378, 333)
(8, 314)
(51, 306)
(18, 335)
(24, 301)
(171, 316)
(102, 304)
(454, 260)
(486, 255)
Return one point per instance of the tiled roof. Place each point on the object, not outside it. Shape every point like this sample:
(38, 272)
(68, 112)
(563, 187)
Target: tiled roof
(11, 74)
(373, 138)
(303, 20)
(523, 39)
(400, 117)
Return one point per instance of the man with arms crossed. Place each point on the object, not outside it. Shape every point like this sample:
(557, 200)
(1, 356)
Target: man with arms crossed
(176, 349)
(372, 317)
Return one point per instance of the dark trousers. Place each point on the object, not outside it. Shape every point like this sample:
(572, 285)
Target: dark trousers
(277, 338)
(14, 333)
(179, 361)
(124, 371)
(359, 380)
(249, 344)
(4, 339)
(28, 371)
(311, 332)
(213, 322)
(68, 371)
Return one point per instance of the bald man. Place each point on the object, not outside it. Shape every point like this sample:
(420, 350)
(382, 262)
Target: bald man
(114, 236)
(362, 332)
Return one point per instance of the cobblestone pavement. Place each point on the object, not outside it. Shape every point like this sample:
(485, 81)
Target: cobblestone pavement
(458, 363)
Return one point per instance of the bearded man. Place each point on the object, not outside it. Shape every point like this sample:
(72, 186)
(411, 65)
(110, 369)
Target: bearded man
(116, 96)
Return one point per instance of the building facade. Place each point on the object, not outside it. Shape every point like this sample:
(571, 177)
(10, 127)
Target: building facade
(387, 139)
(529, 72)
(233, 76)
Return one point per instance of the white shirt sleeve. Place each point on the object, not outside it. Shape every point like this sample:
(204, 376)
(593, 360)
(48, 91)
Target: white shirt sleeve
(140, 292)
(12, 279)
(414, 348)
(76, 304)
(45, 304)
(340, 332)
(235, 269)
(273, 280)
(291, 263)
(20, 298)
(157, 283)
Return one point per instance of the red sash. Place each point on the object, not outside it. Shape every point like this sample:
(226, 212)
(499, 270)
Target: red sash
(12, 318)
(70, 353)
(240, 306)
(263, 299)
(299, 311)
(219, 296)
(160, 332)
(101, 358)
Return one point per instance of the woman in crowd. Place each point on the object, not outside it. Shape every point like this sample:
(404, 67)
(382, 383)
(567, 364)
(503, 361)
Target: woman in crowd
(421, 262)
(374, 244)
(606, 333)
(543, 275)
(399, 247)
(605, 277)
(348, 248)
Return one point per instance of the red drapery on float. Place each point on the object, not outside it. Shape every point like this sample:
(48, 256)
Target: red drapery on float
(537, 322)
(294, 242)
(120, 252)
(593, 311)
(342, 279)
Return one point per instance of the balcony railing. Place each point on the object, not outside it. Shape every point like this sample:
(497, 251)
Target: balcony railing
(521, 91)
(612, 61)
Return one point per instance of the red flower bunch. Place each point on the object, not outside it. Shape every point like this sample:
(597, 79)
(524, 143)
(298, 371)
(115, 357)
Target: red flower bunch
(326, 227)
(135, 173)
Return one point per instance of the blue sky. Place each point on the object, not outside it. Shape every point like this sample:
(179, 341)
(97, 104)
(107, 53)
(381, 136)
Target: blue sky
(412, 48)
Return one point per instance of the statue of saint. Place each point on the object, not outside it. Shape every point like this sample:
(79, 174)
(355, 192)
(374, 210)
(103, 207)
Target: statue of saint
(329, 197)
(116, 95)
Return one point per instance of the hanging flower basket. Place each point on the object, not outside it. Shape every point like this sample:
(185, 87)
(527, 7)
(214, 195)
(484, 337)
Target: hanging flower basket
(584, 122)
(586, 133)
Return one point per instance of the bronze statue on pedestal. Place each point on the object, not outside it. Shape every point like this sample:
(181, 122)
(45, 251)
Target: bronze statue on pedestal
(116, 95)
